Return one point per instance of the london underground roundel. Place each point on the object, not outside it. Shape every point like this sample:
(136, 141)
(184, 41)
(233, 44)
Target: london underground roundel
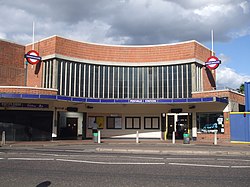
(212, 62)
(33, 57)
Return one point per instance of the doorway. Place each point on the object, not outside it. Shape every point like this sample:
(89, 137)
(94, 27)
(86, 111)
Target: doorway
(177, 123)
(70, 130)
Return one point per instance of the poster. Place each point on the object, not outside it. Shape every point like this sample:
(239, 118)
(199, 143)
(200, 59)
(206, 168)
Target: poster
(98, 119)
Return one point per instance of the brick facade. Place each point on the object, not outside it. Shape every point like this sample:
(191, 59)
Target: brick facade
(27, 90)
(231, 95)
(109, 53)
(128, 54)
(11, 64)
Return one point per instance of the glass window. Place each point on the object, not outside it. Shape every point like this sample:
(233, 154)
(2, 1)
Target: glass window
(59, 77)
(91, 81)
(111, 81)
(133, 123)
(106, 86)
(145, 82)
(77, 80)
(116, 82)
(86, 80)
(160, 81)
(72, 77)
(120, 82)
(114, 123)
(180, 78)
(151, 122)
(165, 80)
(185, 81)
(150, 77)
(156, 82)
(82, 82)
(135, 83)
(140, 82)
(170, 81)
(189, 80)
(101, 88)
(130, 82)
(125, 82)
(210, 122)
(68, 78)
(96, 81)
(175, 81)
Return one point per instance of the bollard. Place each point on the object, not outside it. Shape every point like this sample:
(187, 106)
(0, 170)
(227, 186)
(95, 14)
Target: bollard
(137, 137)
(99, 136)
(215, 137)
(3, 138)
(173, 137)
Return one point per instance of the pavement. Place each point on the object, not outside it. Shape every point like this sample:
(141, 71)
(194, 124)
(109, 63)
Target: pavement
(143, 147)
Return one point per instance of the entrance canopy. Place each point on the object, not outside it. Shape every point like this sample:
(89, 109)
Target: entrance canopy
(160, 105)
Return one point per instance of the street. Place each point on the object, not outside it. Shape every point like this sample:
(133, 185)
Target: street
(63, 166)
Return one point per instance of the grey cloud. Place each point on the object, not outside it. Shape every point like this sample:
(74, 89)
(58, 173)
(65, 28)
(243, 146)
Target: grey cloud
(125, 21)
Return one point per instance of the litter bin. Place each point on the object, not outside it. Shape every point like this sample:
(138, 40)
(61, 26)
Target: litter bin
(186, 138)
(95, 137)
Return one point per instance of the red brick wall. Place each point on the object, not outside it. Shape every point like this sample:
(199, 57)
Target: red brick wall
(26, 90)
(44, 48)
(11, 64)
(136, 54)
(233, 96)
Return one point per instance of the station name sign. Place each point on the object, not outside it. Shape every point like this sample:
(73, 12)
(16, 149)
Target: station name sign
(142, 101)
(24, 105)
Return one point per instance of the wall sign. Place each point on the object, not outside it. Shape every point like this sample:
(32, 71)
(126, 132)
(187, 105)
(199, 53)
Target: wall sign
(24, 105)
(212, 62)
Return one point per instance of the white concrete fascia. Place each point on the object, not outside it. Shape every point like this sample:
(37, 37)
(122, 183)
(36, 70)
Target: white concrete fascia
(97, 62)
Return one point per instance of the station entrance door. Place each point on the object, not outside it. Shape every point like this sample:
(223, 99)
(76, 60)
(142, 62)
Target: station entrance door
(178, 123)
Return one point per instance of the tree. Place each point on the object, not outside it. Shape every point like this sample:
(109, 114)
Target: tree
(241, 89)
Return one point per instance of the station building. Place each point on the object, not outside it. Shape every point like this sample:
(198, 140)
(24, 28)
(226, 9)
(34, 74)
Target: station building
(153, 89)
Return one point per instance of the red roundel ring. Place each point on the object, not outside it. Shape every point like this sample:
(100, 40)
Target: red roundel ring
(33, 57)
(212, 62)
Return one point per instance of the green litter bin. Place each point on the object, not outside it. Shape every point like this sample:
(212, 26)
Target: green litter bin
(186, 138)
(95, 137)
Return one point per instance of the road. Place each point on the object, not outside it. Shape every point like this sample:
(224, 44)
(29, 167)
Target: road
(71, 167)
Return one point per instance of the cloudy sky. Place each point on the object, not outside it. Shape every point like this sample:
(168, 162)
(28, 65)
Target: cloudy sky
(129, 22)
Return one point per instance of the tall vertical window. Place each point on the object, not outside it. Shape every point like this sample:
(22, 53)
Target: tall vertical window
(130, 82)
(150, 81)
(141, 83)
(145, 82)
(135, 82)
(160, 81)
(96, 81)
(125, 82)
(121, 83)
(116, 82)
(106, 84)
(86, 80)
(102, 81)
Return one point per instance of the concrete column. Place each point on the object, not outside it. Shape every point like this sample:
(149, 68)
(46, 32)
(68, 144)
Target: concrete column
(55, 73)
(54, 125)
(194, 127)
